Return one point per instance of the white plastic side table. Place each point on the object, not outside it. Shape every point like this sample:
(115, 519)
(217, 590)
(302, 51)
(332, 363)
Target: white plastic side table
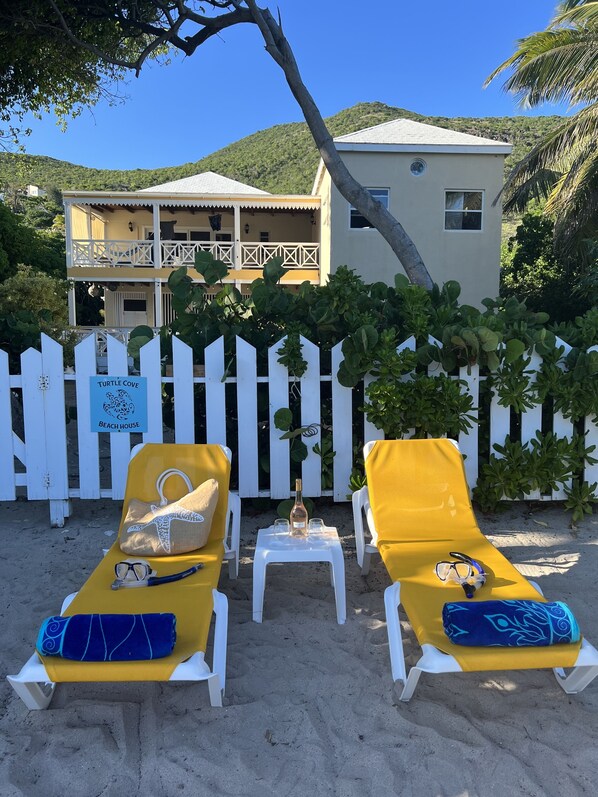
(279, 546)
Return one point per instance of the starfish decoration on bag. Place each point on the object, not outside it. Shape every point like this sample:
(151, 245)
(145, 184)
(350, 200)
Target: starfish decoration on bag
(162, 523)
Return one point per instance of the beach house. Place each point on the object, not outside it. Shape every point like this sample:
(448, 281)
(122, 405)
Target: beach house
(441, 184)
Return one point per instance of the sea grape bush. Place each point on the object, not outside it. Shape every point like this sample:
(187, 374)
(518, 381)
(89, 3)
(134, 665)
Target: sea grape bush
(405, 396)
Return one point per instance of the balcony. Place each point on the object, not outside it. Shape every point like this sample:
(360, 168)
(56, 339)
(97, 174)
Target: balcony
(86, 254)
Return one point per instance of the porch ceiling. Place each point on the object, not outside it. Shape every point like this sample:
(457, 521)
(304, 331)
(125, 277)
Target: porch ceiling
(109, 202)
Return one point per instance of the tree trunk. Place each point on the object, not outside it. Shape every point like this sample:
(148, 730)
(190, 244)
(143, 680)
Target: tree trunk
(386, 224)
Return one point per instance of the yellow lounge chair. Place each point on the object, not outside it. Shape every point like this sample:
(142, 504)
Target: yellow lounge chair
(192, 600)
(417, 509)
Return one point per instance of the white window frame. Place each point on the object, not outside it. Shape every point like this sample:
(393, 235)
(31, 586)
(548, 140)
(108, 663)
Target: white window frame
(482, 211)
(370, 188)
(187, 230)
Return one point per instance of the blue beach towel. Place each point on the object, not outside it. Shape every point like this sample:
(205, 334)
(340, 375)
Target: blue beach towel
(509, 623)
(108, 637)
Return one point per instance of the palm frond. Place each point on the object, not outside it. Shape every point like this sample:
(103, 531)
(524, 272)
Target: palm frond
(583, 14)
(566, 5)
(553, 66)
(576, 184)
(537, 186)
(558, 149)
(573, 203)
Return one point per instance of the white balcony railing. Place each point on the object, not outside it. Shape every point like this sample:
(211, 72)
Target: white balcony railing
(112, 254)
(293, 255)
(182, 253)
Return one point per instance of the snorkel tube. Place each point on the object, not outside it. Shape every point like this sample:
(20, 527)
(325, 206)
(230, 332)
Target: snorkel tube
(479, 580)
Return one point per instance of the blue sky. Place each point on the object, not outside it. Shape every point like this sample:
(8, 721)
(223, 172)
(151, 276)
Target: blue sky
(431, 58)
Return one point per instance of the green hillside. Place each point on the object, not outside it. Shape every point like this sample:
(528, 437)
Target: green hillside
(281, 159)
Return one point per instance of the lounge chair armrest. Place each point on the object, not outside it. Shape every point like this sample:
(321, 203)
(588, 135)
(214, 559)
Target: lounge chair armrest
(233, 528)
(361, 503)
(220, 636)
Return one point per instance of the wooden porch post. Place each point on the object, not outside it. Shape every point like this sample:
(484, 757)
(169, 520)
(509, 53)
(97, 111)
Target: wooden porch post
(237, 236)
(157, 303)
(157, 242)
(157, 264)
(72, 306)
(68, 220)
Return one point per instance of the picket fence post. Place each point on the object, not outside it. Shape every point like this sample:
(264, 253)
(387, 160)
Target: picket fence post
(591, 428)
(531, 417)
(88, 441)
(469, 439)
(215, 393)
(342, 430)
(182, 370)
(278, 397)
(247, 419)
(311, 415)
(150, 367)
(42, 379)
(7, 467)
(120, 442)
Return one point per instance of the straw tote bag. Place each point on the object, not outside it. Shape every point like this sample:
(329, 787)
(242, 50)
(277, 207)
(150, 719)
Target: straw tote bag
(167, 529)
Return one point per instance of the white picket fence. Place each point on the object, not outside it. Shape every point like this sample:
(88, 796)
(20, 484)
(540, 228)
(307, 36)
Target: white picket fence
(55, 466)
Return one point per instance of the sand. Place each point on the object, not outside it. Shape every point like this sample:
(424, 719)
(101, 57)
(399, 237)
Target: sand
(310, 707)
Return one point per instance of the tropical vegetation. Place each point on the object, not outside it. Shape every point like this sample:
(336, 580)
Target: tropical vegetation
(413, 392)
(560, 64)
(280, 159)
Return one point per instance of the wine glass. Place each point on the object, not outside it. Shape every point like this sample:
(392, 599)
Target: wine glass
(281, 525)
(316, 525)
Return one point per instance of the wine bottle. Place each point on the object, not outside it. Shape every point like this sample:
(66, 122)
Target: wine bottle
(298, 516)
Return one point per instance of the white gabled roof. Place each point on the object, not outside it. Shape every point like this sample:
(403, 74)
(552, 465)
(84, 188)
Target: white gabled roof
(407, 133)
(205, 183)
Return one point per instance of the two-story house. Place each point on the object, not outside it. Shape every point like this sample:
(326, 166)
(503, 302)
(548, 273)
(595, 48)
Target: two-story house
(441, 184)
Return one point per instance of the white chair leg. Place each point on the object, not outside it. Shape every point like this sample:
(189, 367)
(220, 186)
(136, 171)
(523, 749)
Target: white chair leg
(233, 566)
(259, 581)
(220, 640)
(365, 566)
(410, 684)
(215, 691)
(338, 582)
(35, 696)
(392, 600)
(234, 521)
(357, 504)
(577, 680)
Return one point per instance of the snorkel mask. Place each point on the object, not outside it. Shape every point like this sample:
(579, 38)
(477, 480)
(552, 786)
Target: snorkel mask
(464, 571)
(139, 573)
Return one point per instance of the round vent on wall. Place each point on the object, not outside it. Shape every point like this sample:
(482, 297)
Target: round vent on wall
(418, 167)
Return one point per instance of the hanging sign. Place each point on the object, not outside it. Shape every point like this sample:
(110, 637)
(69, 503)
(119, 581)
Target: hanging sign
(118, 403)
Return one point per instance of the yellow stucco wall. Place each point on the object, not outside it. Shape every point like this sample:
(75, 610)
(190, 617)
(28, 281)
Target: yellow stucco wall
(281, 226)
(471, 258)
(324, 224)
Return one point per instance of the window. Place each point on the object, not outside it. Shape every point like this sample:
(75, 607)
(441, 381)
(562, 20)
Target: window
(199, 235)
(359, 222)
(134, 305)
(463, 210)
(264, 237)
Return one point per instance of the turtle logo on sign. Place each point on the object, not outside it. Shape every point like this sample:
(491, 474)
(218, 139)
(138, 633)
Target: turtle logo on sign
(119, 406)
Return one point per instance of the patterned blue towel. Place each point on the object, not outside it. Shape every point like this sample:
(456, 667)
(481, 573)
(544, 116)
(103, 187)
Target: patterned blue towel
(108, 637)
(509, 623)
